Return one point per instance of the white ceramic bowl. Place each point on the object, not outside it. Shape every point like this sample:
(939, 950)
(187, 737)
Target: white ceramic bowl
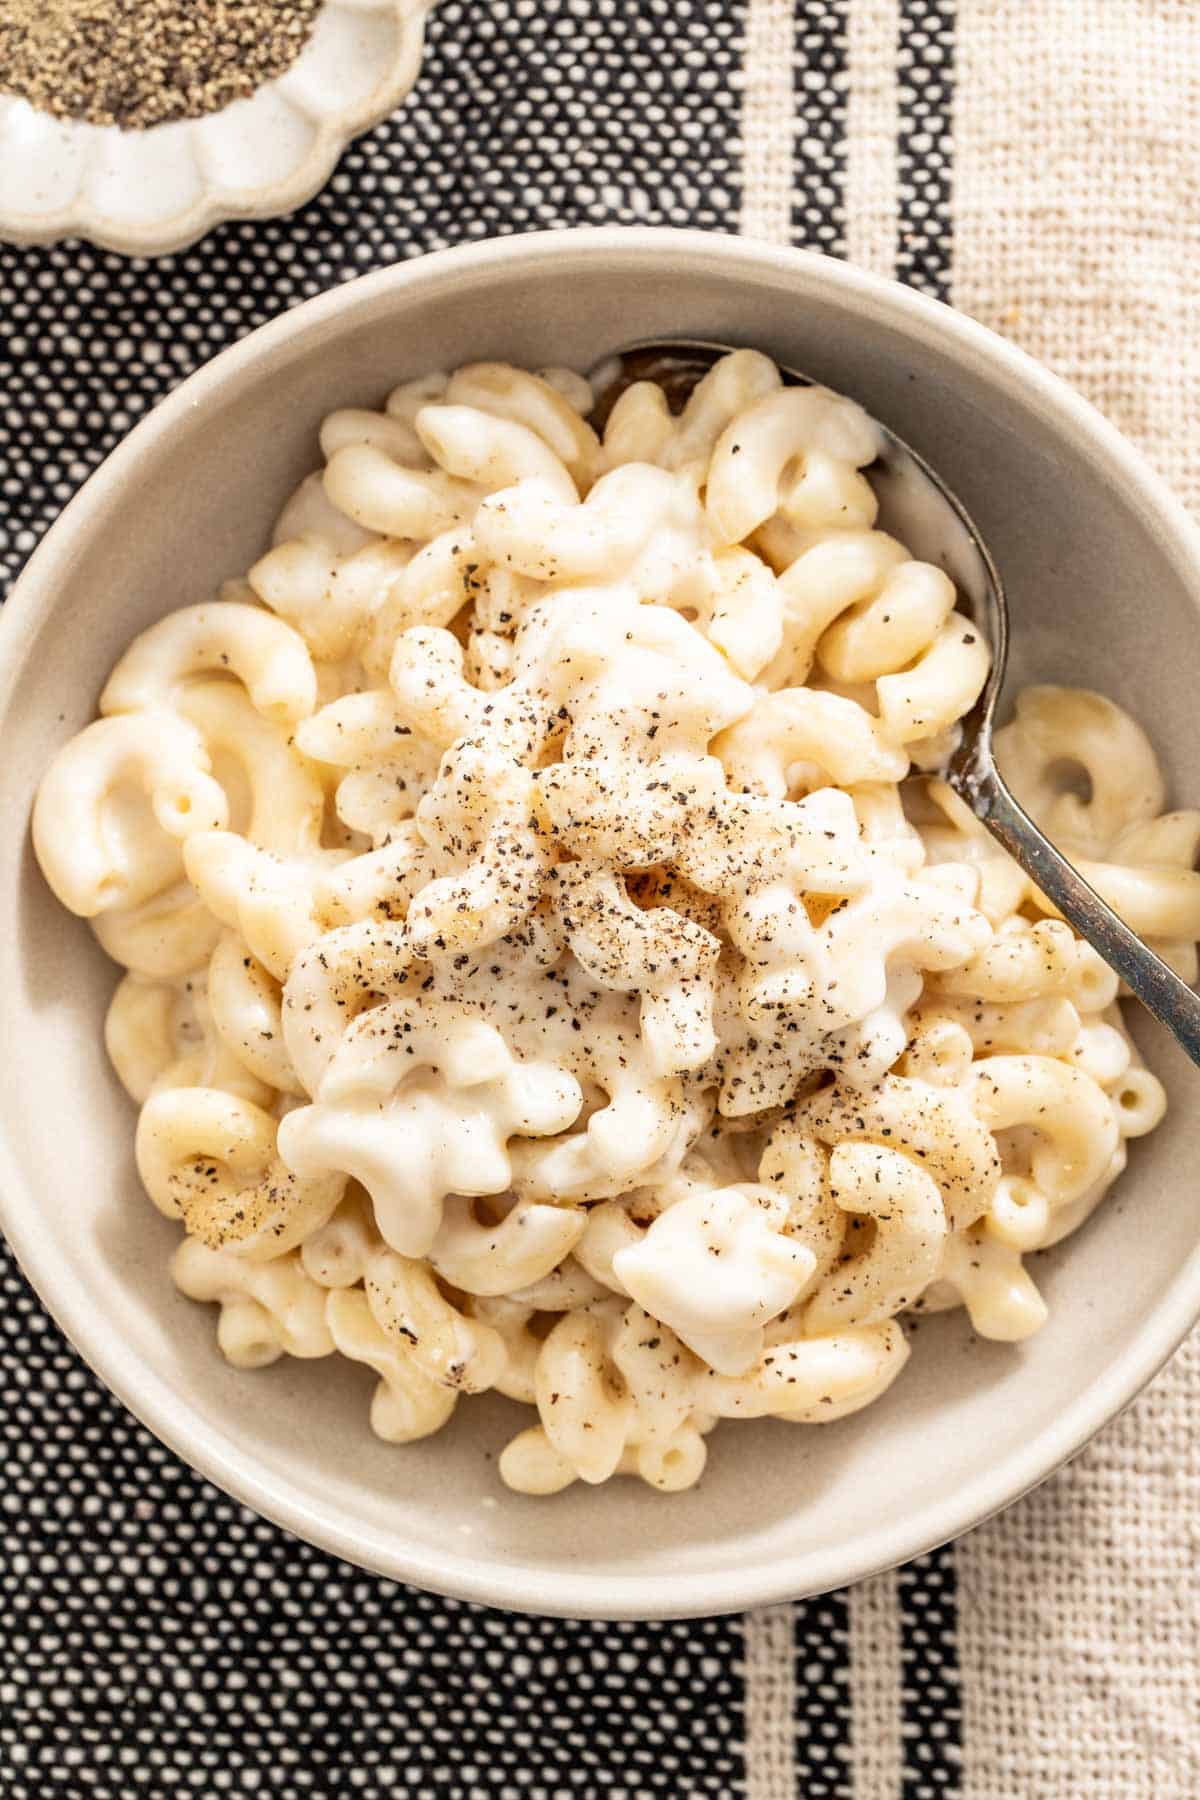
(148, 192)
(1104, 573)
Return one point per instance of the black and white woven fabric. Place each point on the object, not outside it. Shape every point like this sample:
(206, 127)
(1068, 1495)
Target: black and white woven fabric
(1033, 163)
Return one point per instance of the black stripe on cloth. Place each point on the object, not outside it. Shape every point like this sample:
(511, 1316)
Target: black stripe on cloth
(930, 1694)
(925, 148)
(823, 1707)
(159, 1639)
(525, 116)
(570, 113)
(819, 151)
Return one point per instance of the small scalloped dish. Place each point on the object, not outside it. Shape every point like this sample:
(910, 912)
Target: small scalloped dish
(151, 191)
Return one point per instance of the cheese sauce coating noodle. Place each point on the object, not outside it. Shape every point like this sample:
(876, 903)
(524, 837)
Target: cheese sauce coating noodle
(543, 973)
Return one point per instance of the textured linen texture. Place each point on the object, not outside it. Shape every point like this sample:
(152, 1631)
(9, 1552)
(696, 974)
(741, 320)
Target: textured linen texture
(1077, 227)
(1036, 163)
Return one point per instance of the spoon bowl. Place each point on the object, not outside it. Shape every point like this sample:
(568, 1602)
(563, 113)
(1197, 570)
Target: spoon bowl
(917, 507)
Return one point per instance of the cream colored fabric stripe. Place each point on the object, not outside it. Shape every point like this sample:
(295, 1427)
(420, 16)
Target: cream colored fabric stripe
(767, 115)
(875, 1682)
(1077, 1618)
(1077, 221)
(770, 1703)
(872, 129)
(1077, 211)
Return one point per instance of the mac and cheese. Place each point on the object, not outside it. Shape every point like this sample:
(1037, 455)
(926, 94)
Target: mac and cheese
(543, 975)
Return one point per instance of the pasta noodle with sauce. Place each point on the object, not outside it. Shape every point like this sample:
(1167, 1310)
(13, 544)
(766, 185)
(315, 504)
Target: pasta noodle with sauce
(542, 973)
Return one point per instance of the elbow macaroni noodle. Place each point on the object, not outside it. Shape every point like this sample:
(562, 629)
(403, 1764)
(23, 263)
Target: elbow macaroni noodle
(542, 975)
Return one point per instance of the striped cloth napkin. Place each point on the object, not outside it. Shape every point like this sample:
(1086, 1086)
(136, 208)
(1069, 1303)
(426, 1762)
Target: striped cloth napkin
(1034, 162)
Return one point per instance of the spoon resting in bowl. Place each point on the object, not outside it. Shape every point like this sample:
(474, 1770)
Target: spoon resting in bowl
(916, 504)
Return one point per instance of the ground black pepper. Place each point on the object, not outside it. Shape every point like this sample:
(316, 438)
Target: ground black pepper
(136, 63)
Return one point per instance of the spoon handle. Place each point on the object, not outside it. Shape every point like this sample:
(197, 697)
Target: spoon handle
(1157, 986)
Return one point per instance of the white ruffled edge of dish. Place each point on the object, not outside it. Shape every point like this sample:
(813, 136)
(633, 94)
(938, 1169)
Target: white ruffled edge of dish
(299, 89)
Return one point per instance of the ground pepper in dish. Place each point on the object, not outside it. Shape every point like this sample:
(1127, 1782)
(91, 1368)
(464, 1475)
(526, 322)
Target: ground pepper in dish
(137, 63)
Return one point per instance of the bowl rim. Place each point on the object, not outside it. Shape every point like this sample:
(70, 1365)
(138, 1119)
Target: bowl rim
(214, 1453)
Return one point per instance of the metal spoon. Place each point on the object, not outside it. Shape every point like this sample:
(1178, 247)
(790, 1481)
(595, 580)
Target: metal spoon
(943, 533)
